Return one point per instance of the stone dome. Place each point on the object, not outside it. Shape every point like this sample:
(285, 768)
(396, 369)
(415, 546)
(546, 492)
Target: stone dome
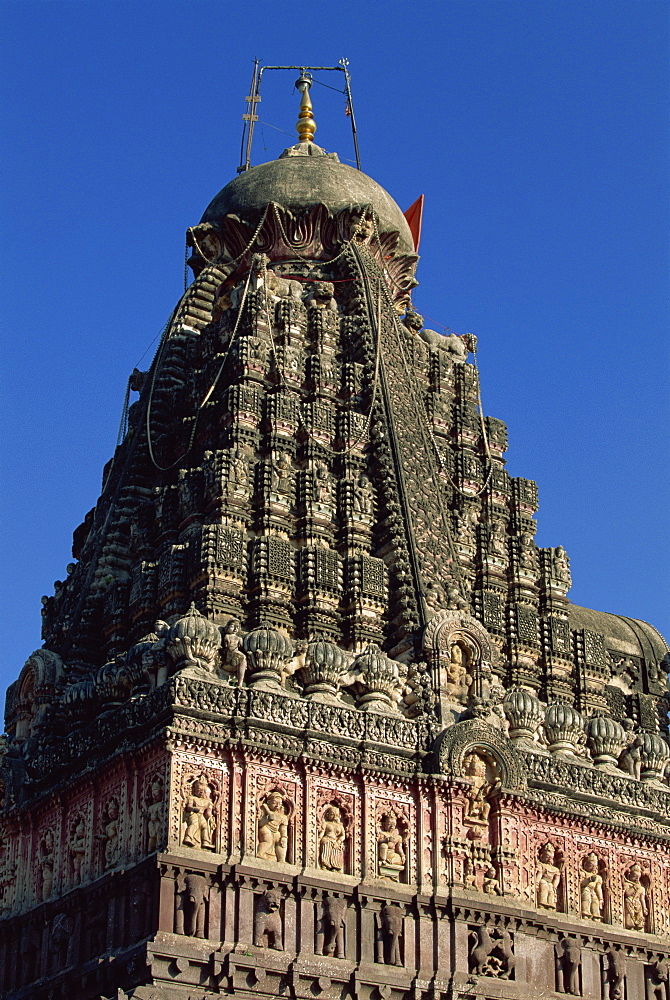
(298, 181)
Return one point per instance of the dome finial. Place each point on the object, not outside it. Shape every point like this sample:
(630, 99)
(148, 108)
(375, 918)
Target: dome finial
(305, 126)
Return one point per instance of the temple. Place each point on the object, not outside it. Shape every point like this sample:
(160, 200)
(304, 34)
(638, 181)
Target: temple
(313, 716)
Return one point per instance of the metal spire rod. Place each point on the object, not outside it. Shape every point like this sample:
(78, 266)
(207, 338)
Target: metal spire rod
(250, 117)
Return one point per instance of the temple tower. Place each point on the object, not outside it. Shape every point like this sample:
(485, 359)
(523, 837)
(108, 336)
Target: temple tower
(313, 716)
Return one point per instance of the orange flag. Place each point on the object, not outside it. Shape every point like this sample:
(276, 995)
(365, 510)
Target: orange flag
(414, 216)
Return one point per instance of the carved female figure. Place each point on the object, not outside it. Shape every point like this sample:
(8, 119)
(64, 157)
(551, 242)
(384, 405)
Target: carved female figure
(459, 661)
(155, 815)
(232, 656)
(46, 862)
(591, 888)
(110, 837)
(78, 848)
(549, 877)
(331, 841)
(199, 816)
(273, 828)
(635, 906)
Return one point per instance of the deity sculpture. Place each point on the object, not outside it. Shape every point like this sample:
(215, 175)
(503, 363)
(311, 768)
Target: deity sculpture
(46, 863)
(273, 825)
(635, 904)
(233, 659)
(549, 877)
(154, 814)
(199, 818)
(331, 840)
(390, 847)
(362, 496)
(591, 888)
(460, 658)
(77, 848)
(478, 808)
(630, 758)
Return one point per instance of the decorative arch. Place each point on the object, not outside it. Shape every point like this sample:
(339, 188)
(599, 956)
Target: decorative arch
(33, 691)
(456, 743)
(447, 627)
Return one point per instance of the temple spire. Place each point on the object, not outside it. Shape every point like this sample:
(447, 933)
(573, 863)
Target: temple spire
(305, 126)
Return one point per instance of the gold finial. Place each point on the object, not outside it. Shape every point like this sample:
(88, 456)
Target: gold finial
(305, 125)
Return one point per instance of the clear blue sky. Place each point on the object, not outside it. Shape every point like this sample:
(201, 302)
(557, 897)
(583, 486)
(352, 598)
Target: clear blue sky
(537, 132)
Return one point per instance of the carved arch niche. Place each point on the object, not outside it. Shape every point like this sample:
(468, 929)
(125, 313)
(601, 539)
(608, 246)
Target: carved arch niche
(460, 653)
(29, 697)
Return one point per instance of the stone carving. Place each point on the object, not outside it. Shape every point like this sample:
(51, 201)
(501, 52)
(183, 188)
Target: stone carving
(635, 903)
(331, 840)
(29, 952)
(330, 938)
(154, 814)
(377, 680)
(606, 739)
(77, 848)
(199, 815)
(268, 923)
(268, 651)
(560, 567)
(190, 910)
(657, 977)
(492, 952)
(568, 964)
(61, 941)
(491, 883)
(478, 807)
(615, 974)
(276, 811)
(391, 855)
(564, 729)
(591, 888)
(451, 344)
(630, 758)
(524, 713)
(391, 920)
(549, 877)
(46, 866)
(110, 835)
(233, 660)
(321, 295)
(193, 641)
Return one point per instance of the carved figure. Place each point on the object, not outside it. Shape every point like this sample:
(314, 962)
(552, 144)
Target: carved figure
(630, 758)
(199, 816)
(331, 840)
(190, 913)
(154, 815)
(29, 950)
(77, 848)
(549, 877)
(568, 961)
(390, 847)
(46, 864)
(277, 287)
(658, 975)
(616, 974)
(560, 567)
(505, 948)
(591, 888)
(321, 296)
(331, 939)
(363, 227)
(61, 937)
(392, 917)
(362, 497)
(460, 658)
(635, 906)
(273, 827)
(482, 950)
(478, 808)
(232, 657)
(491, 884)
(268, 930)
(110, 836)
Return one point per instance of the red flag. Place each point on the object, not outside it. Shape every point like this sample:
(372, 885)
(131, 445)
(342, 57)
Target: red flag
(414, 216)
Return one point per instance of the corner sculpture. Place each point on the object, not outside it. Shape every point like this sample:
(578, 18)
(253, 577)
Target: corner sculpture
(314, 716)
